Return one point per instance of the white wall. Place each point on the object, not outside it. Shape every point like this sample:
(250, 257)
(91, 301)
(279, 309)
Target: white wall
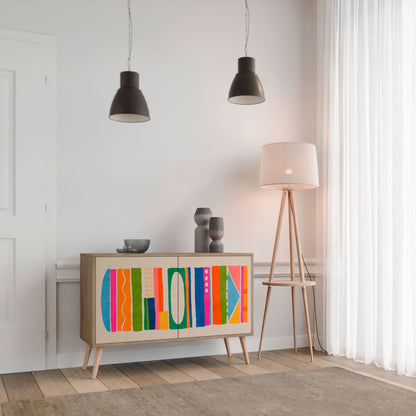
(118, 180)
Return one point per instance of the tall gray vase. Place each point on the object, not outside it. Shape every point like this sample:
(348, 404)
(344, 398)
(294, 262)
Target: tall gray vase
(216, 232)
(201, 217)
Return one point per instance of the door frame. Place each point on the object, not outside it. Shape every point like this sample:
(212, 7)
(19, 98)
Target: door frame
(49, 46)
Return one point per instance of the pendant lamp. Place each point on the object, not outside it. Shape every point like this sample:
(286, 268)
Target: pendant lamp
(246, 87)
(129, 104)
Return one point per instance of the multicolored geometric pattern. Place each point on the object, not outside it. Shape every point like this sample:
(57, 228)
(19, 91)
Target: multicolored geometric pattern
(140, 299)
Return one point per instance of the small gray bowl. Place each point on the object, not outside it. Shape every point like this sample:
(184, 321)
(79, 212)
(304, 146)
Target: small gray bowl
(139, 244)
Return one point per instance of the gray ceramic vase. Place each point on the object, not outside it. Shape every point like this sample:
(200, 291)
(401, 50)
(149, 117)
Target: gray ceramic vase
(201, 217)
(216, 232)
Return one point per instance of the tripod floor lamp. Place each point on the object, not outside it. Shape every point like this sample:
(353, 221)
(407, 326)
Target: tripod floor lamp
(289, 166)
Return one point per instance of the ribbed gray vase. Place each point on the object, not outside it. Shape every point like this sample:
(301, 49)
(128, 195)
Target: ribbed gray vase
(201, 217)
(216, 232)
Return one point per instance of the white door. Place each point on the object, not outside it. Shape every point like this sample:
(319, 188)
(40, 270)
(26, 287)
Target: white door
(22, 205)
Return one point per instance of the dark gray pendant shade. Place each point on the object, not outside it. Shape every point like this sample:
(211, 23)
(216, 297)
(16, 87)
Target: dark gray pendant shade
(129, 104)
(246, 87)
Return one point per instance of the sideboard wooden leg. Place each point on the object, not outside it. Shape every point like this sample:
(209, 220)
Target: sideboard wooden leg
(97, 359)
(244, 347)
(87, 356)
(227, 346)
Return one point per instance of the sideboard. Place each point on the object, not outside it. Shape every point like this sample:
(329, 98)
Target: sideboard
(162, 297)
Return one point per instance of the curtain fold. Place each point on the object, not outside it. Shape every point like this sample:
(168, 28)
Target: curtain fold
(369, 112)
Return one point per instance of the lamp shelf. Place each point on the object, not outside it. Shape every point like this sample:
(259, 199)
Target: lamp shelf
(293, 283)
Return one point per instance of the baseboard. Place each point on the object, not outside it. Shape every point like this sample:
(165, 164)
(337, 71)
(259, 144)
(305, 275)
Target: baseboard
(316, 343)
(171, 350)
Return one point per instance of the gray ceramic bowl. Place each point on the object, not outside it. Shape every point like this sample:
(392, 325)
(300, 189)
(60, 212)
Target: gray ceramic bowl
(139, 244)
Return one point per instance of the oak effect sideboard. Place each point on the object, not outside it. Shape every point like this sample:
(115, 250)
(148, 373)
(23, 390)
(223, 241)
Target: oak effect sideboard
(157, 297)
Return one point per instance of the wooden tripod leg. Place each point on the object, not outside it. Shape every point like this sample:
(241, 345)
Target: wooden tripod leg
(97, 359)
(227, 346)
(308, 326)
(87, 356)
(244, 347)
(266, 305)
(292, 273)
(302, 276)
(294, 319)
(276, 245)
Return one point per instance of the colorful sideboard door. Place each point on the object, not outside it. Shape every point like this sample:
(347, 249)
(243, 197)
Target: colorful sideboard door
(128, 299)
(136, 299)
(214, 296)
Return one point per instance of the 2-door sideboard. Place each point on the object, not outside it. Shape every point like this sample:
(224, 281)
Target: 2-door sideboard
(142, 298)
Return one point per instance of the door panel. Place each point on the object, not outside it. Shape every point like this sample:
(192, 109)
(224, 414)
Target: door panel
(216, 297)
(22, 205)
(7, 141)
(7, 276)
(136, 299)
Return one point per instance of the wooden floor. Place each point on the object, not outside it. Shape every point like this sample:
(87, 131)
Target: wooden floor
(38, 384)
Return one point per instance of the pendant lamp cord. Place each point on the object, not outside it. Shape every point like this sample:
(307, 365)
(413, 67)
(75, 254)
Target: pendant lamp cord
(247, 25)
(130, 34)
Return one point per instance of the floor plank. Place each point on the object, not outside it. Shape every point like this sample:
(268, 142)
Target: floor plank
(20, 386)
(270, 365)
(81, 380)
(141, 375)
(306, 358)
(114, 379)
(193, 370)
(166, 371)
(3, 394)
(221, 369)
(239, 364)
(53, 383)
(290, 362)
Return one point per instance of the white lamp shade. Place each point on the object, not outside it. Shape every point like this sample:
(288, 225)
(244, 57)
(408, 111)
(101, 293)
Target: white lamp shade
(289, 166)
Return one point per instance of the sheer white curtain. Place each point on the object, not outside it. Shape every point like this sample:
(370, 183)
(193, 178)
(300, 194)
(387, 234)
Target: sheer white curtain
(369, 111)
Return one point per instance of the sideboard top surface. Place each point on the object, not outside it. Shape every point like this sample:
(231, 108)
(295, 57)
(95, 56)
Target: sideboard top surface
(164, 254)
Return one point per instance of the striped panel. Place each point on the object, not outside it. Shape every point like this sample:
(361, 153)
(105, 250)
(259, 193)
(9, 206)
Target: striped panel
(171, 272)
(136, 288)
(164, 320)
(152, 313)
(245, 295)
(156, 298)
(120, 300)
(199, 297)
(165, 282)
(160, 290)
(187, 272)
(190, 296)
(113, 300)
(182, 297)
(242, 293)
(126, 306)
(216, 295)
(193, 306)
(146, 314)
(207, 296)
(105, 301)
(148, 285)
(223, 293)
